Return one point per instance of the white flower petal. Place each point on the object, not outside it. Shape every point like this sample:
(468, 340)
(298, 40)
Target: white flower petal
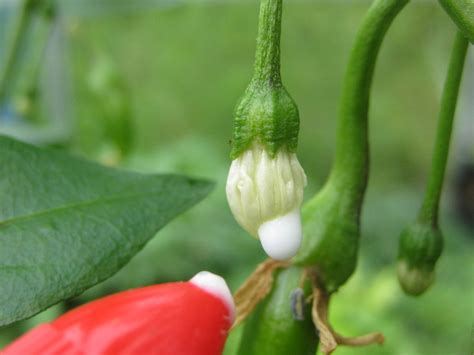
(261, 190)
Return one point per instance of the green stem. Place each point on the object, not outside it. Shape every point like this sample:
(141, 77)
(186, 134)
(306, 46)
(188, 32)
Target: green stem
(350, 170)
(331, 219)
(267, 58)
(12, 52)
(266, 113)
(429, 209)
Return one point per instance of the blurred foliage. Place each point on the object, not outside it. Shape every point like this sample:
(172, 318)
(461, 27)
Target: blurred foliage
(181, 69)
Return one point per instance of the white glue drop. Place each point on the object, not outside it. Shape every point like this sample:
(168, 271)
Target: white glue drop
(281, 237)
(215, 285)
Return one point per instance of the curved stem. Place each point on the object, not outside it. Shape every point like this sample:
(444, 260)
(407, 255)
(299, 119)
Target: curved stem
(7, 72)
(267, 58)
(429, 209)
(350, 170)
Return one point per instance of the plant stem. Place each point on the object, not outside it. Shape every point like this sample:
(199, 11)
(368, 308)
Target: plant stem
(350, 170)
(331, 219)
(267, 58)
(430, 207)
(266, 114)
(12, 52)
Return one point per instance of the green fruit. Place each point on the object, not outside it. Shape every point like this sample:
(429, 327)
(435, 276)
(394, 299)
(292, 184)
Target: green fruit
(272, 329)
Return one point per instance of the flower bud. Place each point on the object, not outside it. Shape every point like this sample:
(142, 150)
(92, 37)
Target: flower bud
(419, 249)
(413, 280)
(265, 195)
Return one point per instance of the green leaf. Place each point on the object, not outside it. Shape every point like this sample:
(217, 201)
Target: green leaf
(67, 224)
(462, 13)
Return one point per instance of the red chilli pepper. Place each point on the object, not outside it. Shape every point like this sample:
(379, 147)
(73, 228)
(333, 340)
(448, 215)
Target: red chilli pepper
(181, 318)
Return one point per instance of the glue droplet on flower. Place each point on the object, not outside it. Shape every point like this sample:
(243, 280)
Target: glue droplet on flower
(265, 194)
(281, 237)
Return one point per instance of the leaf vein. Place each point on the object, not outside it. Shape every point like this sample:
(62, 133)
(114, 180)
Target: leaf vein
(76, 205)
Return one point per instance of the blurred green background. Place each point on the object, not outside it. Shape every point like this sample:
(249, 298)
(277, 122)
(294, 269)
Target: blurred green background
(151, 86)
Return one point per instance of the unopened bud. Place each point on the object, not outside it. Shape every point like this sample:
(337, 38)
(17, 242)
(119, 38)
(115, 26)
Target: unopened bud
(265, 195)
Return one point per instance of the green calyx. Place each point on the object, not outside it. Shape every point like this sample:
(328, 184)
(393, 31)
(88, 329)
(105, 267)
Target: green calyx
(331, 220)
(266, 114)
(421, 243)
(273, 327)
(420, 247)
(462, 13)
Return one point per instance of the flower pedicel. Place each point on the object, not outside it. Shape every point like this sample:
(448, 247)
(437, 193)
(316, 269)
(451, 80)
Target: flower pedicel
(265, 183)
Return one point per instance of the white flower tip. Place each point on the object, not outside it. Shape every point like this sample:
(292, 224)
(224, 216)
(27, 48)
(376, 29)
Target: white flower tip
(261, 188)
(215, 285)
(281, 237)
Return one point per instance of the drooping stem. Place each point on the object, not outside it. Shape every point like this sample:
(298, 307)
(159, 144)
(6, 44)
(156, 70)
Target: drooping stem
(331, 219)
(429, 209)
(350, 170)
(267, 58)
(14, 47)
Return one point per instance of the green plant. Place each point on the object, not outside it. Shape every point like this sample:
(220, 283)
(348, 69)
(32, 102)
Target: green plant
(462, 13)
(29, 9)
(265, 183)
(332, 218)
(266, 115)
(421, 243)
